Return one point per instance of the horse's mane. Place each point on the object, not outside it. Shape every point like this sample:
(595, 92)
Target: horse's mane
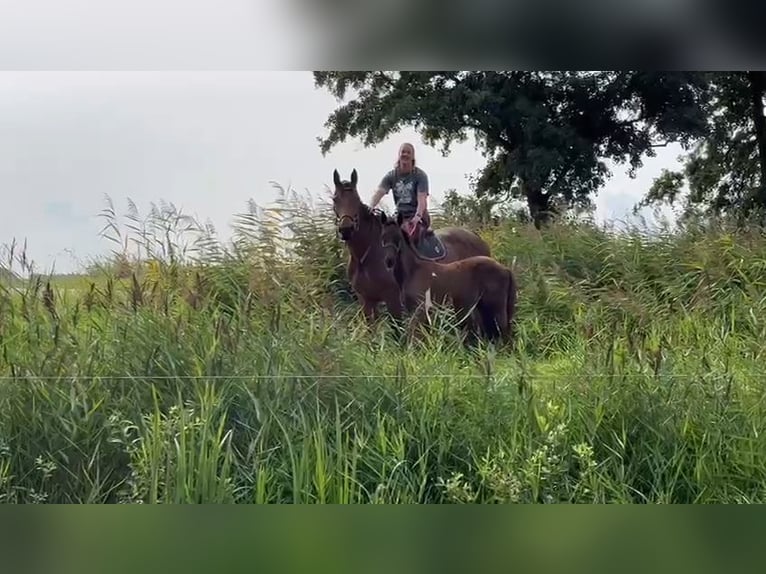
(393, 223)
(367, 211)
(376, 212)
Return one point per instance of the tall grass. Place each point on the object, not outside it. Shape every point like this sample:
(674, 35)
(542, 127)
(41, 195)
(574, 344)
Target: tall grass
(189, 370)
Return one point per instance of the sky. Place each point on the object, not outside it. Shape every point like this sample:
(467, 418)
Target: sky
(207, 141)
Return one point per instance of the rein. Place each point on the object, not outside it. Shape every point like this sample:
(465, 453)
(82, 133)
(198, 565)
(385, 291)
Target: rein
(366, 253)
(373, 212)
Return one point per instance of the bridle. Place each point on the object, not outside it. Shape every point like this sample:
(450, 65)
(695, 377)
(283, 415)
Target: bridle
(376, 213)
(390, 245)
(354, 219)
(345, 217)
(394, 245)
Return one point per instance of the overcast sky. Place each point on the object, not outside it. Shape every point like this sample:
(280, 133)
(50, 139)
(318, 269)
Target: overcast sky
(206, 141)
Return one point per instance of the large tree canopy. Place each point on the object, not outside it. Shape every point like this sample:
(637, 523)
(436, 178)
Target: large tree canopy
(545, 134)
(726, 170)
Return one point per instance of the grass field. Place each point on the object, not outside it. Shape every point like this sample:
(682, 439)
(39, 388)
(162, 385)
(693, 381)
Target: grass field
(248, 375)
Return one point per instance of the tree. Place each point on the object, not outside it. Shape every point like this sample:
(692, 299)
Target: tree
(545, 134)
(473, 210)
(726, 170)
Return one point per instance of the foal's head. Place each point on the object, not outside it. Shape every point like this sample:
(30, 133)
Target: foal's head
(393, 241)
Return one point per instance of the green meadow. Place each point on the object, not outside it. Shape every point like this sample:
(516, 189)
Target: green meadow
(243, 372)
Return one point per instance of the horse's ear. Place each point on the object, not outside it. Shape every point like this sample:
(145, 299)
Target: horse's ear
(354, 177)
(336, 177)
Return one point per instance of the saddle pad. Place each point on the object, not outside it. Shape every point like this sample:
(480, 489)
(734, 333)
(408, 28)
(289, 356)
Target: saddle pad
(430, 246)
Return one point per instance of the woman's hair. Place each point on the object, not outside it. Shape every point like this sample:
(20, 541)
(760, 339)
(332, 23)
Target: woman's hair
(412, 148)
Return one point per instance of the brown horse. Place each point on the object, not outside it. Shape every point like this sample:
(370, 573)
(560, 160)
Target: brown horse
(479, 286)
(360, 227)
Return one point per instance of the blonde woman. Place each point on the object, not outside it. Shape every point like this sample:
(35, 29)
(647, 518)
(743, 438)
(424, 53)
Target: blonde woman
(409, 184)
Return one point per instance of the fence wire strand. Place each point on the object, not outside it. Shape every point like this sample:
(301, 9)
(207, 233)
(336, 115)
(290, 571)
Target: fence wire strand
(417, 376)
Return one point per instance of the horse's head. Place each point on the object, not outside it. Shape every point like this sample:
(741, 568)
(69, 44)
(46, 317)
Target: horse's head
(346, 204)
(392, 240)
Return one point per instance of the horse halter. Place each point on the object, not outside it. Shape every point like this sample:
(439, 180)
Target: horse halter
(393, 244)
(354, 221)
(340, 219)
(389, 245)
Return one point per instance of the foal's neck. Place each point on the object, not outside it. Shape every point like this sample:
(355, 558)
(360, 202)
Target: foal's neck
(411, 263)
(362, 242)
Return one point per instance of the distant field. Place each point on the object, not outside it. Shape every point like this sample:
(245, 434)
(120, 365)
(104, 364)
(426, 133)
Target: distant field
(637, 377)
(75, 282)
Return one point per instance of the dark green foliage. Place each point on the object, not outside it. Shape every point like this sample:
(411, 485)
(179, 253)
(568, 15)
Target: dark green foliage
(545, 134)
(725, 170)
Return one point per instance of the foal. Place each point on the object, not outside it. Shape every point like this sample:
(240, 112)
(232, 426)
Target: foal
(479, 285)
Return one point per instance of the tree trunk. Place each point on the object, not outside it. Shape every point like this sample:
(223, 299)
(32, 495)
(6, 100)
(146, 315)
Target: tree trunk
(757, 91)
(538, 203)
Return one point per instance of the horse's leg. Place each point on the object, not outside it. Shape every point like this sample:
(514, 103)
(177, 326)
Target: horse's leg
(477, 327)
(492, 322)
(371, 312)
(511, 305)
(503, 319)
(506, 335)
(395, 304)
(396, 309)
(468, 314)
(370, 309)
(409, 303)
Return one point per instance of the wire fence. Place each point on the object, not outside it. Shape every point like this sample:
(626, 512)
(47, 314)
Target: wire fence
(415, 376)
